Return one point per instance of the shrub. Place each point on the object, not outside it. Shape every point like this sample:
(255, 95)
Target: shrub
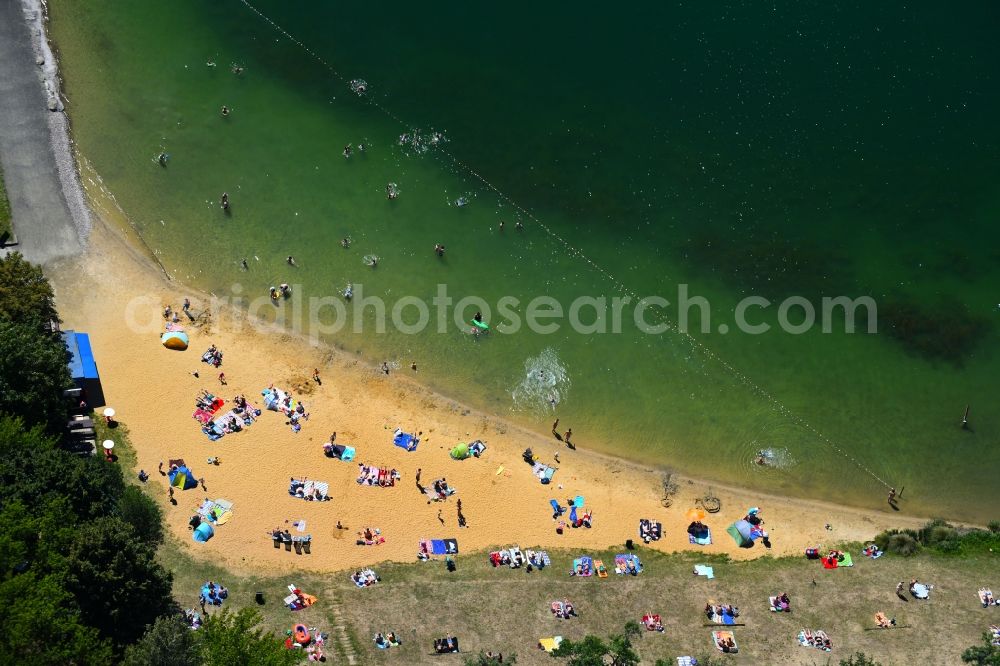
(994, 526)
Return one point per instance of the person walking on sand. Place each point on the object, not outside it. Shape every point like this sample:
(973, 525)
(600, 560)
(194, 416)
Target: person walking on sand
(160, 468)
(555, 427)
(385, 367)
(316, 377)
(566, 437)
(892, 497)
(170, 495)
(222, 378)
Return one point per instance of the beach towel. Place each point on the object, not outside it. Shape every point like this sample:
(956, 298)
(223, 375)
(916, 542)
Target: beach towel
(829, 562)
(702, 540)
(805, 638)
(846, 560)
(543, 472)
(723, 618)
(724, 635)
(686, 661)
(583, 566)
(920, 591)
(602, 571)
(550, 644)
(405, 440)
(578, 501)
(451, 546)
(986, 597)
(622, 562)
(572, 515)
(438, 547)
(703, 570)
(309, 488)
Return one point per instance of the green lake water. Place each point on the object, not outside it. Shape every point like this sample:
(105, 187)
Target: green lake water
(743, 149)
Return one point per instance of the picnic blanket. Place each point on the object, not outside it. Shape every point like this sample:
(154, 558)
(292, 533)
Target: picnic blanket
(216, 511)
(704, 570)
(650, 530)
(364, 578)
(309, 489)
(920, 591)
(815, 639)
(405, 440)
(703, 539)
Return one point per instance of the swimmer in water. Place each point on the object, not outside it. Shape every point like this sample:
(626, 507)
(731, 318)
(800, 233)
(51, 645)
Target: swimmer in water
(274, 294)
(345, 242)
(374, 261)
(501, 225)
(761, 458)
(162, 159)
(285, 289)
(290, 260)
(225, 201)
(391, 192)
(361, 147)
(348, 150)
(519, 226)
(225, 111)
(236, 69)
(210, 63)
(243, 263)
(479, 317)
(439, 249)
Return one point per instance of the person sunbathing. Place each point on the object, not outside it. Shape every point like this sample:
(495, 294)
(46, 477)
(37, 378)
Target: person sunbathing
(709, 611)
(568, 609)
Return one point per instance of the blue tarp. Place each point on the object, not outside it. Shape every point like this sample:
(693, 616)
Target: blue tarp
(86, 356)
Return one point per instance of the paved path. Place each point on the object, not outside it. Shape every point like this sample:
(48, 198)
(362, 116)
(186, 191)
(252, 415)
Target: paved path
(43, 222)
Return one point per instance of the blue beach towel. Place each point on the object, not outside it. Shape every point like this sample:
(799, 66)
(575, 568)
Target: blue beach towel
(556, 509)
(572, 514)
(703, 570)
(438, 547)
(578, 502)
(405, 440)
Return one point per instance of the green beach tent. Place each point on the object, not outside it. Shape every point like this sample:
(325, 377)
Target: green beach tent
(460, 452)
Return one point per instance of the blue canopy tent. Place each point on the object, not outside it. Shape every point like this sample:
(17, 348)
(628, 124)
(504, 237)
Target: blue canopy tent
(83, 368)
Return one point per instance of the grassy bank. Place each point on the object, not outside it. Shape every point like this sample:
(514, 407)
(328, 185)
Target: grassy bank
(508, 610)
(5, 226)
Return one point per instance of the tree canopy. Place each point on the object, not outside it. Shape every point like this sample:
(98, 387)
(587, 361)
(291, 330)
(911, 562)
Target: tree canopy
(25, 294)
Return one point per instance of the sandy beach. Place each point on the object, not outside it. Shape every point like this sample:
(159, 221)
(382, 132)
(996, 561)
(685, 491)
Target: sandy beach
(153, 390)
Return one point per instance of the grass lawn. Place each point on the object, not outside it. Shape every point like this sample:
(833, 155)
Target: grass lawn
(508, 610)
(5, 227)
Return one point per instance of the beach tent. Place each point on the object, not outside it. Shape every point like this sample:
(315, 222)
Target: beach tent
(177, 340)
(183, 478)
(460, 452)
(203, 533)
(742, 533)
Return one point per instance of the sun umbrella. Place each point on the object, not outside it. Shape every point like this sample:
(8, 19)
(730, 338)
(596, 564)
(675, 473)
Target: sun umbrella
(108, 445)
(695, 515)
(109, 412)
